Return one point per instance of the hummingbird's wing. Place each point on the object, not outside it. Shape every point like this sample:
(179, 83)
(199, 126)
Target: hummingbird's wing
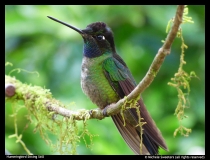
(123, 83)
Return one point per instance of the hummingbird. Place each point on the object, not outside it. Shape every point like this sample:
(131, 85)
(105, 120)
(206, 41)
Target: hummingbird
(105, 79)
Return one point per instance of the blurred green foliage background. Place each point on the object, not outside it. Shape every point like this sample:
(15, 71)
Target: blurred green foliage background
(35, 43)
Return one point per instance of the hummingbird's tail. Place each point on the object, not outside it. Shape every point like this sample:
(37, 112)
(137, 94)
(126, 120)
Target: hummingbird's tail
(152, 138)
(129, 134)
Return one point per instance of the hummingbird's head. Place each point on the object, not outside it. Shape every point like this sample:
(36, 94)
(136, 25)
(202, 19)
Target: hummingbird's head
(98, 38)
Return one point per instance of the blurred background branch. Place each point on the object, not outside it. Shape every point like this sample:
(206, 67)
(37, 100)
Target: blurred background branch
(7, 152)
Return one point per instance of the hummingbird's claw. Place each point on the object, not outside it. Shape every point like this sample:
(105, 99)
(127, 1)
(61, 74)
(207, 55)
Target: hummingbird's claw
(90, 112)
(105, 112)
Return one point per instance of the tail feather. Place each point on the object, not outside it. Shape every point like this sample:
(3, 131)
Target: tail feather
(152, 137)
(130, 135)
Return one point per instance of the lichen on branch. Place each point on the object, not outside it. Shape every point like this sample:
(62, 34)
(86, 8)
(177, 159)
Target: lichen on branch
(47, 118)
(181, 80)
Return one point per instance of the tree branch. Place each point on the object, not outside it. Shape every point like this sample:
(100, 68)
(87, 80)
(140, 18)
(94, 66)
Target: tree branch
(38, 95)
(14, 86)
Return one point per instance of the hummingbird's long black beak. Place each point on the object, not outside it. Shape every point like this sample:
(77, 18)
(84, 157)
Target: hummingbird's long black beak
(68, 25)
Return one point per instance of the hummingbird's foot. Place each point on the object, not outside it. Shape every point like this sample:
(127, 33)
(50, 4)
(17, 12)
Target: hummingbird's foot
(104, 111)
(90, 112)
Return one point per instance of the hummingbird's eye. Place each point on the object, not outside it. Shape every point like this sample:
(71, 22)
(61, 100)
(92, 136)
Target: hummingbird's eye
(100, 37)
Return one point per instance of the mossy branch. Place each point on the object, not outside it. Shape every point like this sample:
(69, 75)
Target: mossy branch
(14, 89)
(58, 108)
